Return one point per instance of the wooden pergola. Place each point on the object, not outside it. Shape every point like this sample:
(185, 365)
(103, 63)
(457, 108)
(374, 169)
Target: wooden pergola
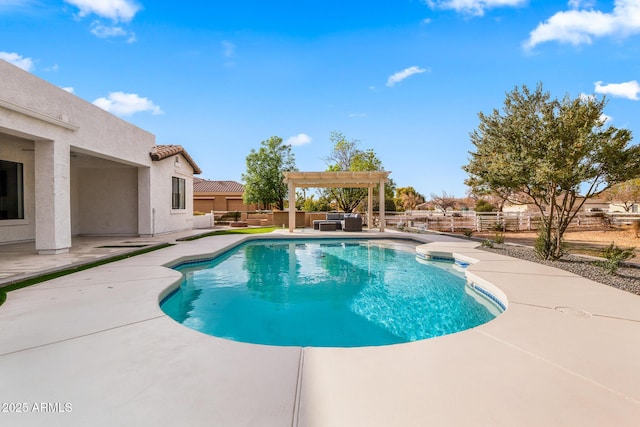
(337, 180)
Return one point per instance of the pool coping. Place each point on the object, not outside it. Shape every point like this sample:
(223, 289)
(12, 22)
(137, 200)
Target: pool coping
(98, 340)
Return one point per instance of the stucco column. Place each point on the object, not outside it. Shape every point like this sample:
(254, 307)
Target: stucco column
(381, 208)
(145, 210)
(292, 206)
(53, 197)
(370, 208)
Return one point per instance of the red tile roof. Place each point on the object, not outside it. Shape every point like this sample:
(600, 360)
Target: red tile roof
(160, 152)
(206, 186)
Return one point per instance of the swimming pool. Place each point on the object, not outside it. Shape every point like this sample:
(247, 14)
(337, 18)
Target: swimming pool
(325, 293)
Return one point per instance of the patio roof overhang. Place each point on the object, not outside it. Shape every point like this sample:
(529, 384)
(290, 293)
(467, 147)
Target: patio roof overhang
(336, 179)
(342, 179)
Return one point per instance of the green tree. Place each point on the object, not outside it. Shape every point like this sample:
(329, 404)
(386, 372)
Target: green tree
(263, 179)
(407, 198)
(626, 194)
(484, 206)
(311, 204)
(549, 150)
(389, 202)
(346, 156)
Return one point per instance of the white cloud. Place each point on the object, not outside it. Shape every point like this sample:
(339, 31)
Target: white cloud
(17, 60)
(126, 104)
(69, 89)
(407, 72)
(352, 115)
(581, 4)
(299, 139)
(587, 97)
(473, 7)
(629, 90)
(116, 10)
(580, 26)
(105, 31)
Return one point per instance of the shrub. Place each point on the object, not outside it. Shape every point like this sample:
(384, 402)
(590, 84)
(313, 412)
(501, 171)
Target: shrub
(615, 256)
(499, 238)
(484, 206)
(487, 243)
(235, 215)
(545, 248)
(498, 226)
(467, 232)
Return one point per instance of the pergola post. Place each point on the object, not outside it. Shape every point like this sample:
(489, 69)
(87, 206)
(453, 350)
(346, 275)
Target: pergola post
(370, 208)
(292, 206)
(381, 208)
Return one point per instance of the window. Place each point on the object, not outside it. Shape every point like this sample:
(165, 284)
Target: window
(11, 191)
(178, 193)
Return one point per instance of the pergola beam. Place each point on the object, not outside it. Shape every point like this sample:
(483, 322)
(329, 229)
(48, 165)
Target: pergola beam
(366, 179)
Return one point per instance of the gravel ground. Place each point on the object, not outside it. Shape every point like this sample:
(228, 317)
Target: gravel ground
(626, 278)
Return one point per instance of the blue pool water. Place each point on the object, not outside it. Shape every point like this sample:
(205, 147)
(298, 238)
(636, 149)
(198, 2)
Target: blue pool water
(327, 293)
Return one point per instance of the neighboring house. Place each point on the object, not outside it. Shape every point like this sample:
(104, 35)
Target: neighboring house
(594, 205)
(69, 168)
(620, 207)
(520, 208)
(590, 205)
(219, 196)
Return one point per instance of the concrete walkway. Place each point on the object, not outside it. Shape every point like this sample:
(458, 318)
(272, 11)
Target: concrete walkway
(94, 349)
(20, 261)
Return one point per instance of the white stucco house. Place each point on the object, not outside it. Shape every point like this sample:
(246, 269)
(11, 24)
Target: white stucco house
(69, 168)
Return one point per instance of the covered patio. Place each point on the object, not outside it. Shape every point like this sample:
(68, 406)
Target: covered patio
(366, 179)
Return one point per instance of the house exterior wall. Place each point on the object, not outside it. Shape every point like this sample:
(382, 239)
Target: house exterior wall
(99, 132)
(619, 208)
(167, 219)
(62, 198)
(207, 202)
(98, 189)
(235, 205)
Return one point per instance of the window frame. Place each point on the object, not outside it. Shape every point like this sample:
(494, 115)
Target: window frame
(178, 193)
(15, 194)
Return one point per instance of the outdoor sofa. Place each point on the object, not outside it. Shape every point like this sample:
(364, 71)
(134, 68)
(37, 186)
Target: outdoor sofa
(342, 221)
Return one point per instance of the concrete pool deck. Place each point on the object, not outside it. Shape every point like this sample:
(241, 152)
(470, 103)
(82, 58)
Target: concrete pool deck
(94, 349)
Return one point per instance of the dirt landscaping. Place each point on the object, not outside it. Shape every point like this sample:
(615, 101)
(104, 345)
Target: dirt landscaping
(590, 242)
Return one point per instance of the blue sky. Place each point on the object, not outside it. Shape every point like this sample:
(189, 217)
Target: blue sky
(406, 78)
